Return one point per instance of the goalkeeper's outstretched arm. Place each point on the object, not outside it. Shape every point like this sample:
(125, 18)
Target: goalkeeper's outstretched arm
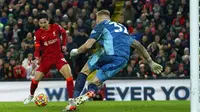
(142, 51)
(82, 49)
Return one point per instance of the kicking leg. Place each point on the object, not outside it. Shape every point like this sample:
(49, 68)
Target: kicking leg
(104, 73)
(92, 90)
(45, 66)
(34, 84)
(81, 79)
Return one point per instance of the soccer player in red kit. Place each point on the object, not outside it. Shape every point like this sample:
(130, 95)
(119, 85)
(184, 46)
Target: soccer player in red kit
(47, 39)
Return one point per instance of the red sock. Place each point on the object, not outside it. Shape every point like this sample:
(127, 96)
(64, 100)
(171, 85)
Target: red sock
(34, 85)
(70, 87)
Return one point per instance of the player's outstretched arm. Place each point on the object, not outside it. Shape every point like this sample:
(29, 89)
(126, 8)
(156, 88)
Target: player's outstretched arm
(142, 51)
(82, 49)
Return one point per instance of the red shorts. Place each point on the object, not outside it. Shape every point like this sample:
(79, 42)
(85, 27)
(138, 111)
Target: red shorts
(46, 64)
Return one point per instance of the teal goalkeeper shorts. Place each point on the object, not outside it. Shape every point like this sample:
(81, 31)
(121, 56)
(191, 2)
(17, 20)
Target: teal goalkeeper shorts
(106, 65)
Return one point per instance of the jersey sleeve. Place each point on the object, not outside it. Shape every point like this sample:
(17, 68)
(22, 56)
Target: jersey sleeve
(97, 31)
(37, 45)
(62, 31)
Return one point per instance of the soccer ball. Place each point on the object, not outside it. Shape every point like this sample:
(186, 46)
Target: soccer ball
(41, 100)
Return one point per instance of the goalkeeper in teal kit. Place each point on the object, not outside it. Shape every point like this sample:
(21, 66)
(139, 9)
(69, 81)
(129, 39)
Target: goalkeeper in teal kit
(109, 59)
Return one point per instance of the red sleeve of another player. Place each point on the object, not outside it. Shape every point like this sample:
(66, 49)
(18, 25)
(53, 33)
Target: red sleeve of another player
(64, 35)
(37, 45)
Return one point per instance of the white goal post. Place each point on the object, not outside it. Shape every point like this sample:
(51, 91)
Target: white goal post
(194, 56)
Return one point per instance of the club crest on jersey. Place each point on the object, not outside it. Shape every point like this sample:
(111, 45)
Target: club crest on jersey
(54, 33)
(93, 31)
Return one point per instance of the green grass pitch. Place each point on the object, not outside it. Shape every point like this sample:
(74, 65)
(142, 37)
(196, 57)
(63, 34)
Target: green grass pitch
(102, 106)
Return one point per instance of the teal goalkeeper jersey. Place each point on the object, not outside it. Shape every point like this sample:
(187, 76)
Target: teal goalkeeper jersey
(113, 38)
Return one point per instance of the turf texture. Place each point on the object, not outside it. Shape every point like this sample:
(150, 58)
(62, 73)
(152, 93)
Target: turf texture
(102, 106)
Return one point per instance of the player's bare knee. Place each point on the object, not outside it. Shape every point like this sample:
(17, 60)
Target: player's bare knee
(86, 70)
(38, 76)
(66, 71)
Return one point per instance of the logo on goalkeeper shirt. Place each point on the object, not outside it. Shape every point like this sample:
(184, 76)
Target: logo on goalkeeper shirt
(93, 31)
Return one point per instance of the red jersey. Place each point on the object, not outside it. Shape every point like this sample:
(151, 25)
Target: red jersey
(49, 41)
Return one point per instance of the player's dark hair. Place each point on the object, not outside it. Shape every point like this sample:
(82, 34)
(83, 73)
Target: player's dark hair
(103, 12)
(42, 15)
(51, 21)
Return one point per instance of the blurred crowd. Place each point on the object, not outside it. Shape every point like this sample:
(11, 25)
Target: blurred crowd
(162, 26)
